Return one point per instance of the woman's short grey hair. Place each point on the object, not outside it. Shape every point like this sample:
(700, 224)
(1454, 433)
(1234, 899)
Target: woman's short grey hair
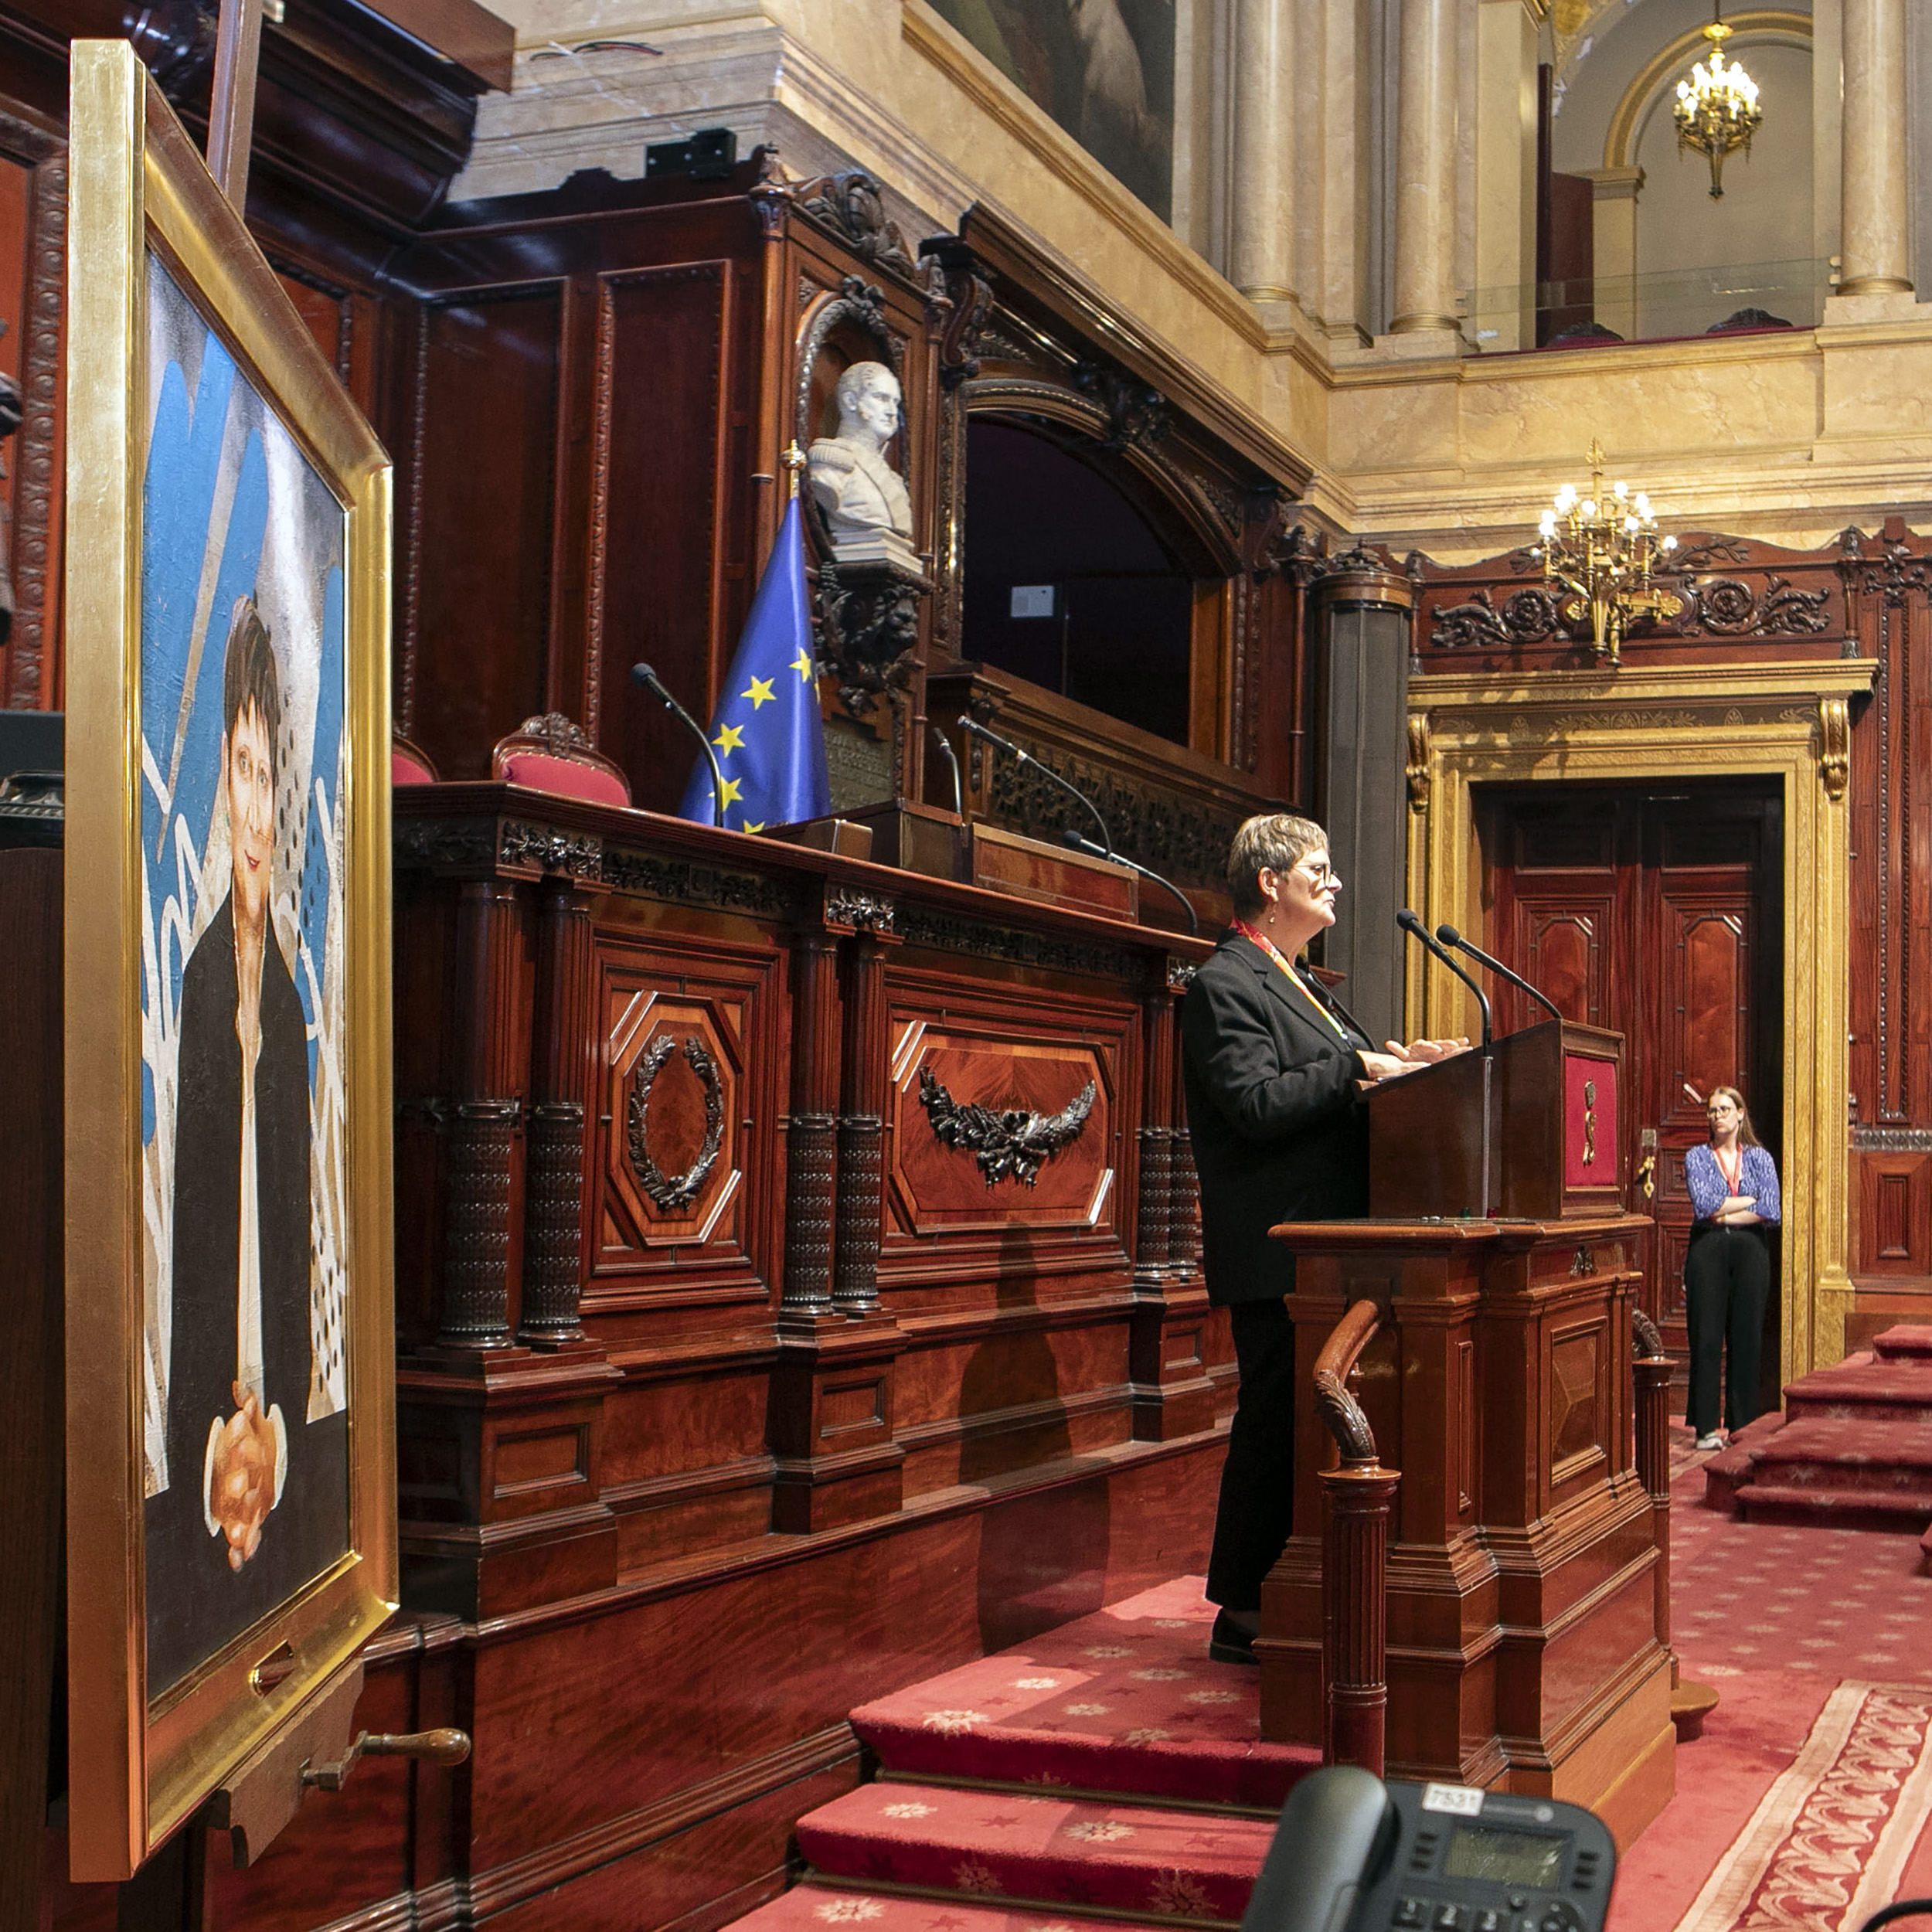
(1275, 841)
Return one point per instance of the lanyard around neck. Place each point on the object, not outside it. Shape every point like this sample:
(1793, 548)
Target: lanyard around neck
(1255, 937)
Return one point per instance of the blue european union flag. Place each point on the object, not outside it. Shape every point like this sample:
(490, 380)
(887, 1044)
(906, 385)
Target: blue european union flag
(767, 730)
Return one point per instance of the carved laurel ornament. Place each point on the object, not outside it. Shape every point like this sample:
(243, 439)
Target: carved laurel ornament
(1009, 1143)
(672, 1193)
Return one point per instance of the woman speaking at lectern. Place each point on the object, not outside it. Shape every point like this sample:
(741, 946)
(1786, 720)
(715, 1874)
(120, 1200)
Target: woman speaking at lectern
(1272, 1068)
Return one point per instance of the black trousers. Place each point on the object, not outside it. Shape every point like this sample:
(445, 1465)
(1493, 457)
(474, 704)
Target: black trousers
(1727, 1281)
(1257, 1510)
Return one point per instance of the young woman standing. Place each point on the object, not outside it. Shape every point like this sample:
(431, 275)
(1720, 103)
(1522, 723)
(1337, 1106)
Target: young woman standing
(1727, 1269)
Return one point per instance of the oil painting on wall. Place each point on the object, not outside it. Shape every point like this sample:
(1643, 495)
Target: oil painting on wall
(1102, 69)
(242, 688)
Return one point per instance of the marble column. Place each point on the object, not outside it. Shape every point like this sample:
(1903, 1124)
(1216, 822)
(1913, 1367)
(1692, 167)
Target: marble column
(1262, 254)
(1425, 277)
(1872, 242)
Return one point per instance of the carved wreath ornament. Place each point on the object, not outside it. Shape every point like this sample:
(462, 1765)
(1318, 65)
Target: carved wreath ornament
(1010, 1144)
(672, 1193)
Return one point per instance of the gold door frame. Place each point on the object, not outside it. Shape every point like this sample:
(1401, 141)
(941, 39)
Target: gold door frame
(1787, 721)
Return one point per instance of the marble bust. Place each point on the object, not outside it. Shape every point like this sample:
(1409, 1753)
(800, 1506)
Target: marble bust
(863, 497)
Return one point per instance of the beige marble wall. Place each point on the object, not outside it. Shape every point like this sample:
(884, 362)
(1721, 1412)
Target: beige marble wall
(1415, 443)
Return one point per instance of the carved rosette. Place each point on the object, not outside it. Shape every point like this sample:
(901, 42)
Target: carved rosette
(476, 1253)
(672, 1193)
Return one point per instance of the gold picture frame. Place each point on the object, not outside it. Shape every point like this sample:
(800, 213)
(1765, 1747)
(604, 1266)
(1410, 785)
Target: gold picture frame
(227, 986)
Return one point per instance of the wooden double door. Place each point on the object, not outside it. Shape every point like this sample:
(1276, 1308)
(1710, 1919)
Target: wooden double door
(1660, 913)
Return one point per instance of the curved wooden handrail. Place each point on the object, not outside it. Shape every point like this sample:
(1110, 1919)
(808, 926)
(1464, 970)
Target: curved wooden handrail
(1339, 1410)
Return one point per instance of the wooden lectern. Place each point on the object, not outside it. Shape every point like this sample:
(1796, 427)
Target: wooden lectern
(1523, 1646)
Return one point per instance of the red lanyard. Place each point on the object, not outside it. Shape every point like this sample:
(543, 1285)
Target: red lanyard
(1734, 1172)
(1255, 937)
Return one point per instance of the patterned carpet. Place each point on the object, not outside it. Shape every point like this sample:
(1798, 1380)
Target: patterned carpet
(1108, 1774)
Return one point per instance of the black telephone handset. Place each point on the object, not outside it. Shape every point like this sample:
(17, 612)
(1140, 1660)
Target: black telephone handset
(1354, 1854)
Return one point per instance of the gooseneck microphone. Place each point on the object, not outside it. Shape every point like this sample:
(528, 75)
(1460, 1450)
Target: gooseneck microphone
(1046, 771)
(1450, 937)
(1417, 930)
(952, 759)
(649, 679)
(1080, 843)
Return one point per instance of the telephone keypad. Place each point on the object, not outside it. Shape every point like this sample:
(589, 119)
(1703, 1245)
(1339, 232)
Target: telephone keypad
(1411, 1912)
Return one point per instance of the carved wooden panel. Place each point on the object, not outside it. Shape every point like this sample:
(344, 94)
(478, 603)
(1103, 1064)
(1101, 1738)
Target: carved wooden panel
(1566, 945)
(475, 536)
(1578, 1399)
(993, 1132)
(682, 1146)
(670, 444)
(1895, 1214)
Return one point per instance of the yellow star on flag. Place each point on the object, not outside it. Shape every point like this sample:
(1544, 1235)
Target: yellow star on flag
(802, 665)
(728, 792)
(729, 740)
(754, 825)
(760, 692)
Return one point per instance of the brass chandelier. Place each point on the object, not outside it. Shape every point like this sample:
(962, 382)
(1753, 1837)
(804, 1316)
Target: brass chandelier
(1717, 110)
(1602, 549)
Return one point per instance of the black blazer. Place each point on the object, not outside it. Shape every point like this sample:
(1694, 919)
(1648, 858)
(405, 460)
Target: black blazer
(1279, 1129)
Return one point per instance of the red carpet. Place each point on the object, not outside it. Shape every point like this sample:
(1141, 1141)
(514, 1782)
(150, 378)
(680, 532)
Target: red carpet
(1802, 1807)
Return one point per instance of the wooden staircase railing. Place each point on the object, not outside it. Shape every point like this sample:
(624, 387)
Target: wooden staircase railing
(1356, 1501)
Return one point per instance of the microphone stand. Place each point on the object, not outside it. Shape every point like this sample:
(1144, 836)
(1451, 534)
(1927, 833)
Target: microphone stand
(1417, 930)
(644, 675)
(1079, 843)
(1450, 937)
(1047, 772)
(952, 759)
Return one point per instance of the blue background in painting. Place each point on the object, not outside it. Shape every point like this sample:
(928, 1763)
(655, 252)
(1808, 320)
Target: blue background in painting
(178, 498)
(325, 768)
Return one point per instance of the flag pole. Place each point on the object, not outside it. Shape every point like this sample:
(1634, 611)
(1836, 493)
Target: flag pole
(793, 459)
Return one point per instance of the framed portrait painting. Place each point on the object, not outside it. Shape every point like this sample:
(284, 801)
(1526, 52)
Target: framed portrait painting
(230, 1432)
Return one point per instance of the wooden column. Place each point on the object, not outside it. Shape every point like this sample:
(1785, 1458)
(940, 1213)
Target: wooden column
(811, 1141)
(861, 1174)
(479, 1269)
(559, 1093)
(1173, 1395)
(1354, 1621)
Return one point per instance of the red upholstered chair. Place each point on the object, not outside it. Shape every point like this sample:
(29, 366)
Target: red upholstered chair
(550, 754)
(408, 764)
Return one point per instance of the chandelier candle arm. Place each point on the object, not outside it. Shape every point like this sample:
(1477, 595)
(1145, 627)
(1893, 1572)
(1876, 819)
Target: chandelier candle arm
(1602, 551)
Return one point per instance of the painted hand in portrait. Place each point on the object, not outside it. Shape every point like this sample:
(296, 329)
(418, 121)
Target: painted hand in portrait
(245, 1412)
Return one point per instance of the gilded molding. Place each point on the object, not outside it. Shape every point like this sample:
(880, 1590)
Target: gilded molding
(1834, 746)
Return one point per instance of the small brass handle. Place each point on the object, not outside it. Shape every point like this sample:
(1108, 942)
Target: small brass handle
(444, 1746)
(1647, 1175)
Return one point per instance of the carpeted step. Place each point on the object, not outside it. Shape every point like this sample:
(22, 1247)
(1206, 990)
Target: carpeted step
(1132, 1859)
(1772, 1502)
(1906, 1341)
(1125, 1700)
(1862, 1388)
(1732, 1464)
(818, 1904)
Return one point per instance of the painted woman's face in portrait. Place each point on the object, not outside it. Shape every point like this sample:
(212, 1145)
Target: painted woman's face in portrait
(251, 817)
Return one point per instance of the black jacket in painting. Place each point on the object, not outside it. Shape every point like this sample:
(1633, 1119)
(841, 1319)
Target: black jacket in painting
(1278, 1126)
(195, 1602)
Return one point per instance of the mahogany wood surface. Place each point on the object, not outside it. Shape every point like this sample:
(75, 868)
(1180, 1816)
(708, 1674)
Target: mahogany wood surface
(1523, 1646)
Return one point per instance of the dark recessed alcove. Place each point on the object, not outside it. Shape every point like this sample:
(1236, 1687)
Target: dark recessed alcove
(1042, 514)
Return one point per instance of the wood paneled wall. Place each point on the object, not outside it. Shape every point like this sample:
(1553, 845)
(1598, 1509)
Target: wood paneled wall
(1869, 595)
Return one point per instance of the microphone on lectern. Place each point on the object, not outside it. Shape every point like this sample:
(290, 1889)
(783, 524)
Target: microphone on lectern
(1080, 843)
(1450, 937)
(1418, 931)
(1046, 771)
(644, 675)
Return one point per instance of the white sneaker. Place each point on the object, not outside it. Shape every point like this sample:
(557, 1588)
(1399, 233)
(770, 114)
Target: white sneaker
(1713, 1440)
